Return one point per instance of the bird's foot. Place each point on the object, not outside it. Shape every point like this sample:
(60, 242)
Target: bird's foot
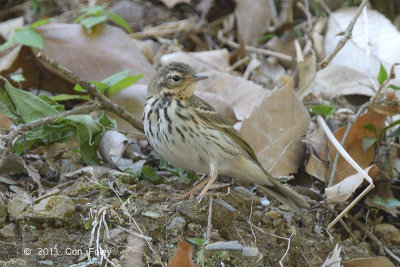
(189, 194)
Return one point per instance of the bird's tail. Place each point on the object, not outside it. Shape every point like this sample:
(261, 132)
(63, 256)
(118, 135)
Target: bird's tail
(285, 195)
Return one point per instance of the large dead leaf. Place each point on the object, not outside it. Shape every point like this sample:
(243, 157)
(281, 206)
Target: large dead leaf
(8, 56)
(274, 130)
(201, 61)
(371, 44)
(242, 94)
(354, 146)
(389, 231)
(369, 262)
(253, 19)
(183, 256)
(106, 51)
(341, 191)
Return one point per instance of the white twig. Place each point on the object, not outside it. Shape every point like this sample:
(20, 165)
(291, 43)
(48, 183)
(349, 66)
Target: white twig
(251, 227)
(287, 250)
(209, 221)
(351, 161)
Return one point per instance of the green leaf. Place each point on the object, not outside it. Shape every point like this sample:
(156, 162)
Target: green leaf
(7, 44)
(197, 241)
(29, 106)
(265, 38)
(119, 21)
(324, 110)
(395, 133)
(113, 79)
(90, 22)
(107, 121)
(394, 87)
(7, 108)
(187, 176)
(93, 10)
(39, 23)
(67, 97)
(28, 37)
(382, 76)
(388, 202)
(125, 82)
(52, 103)
(368, 142)
(369, 126)
(150, 174)
(17, 78)
(102, 87)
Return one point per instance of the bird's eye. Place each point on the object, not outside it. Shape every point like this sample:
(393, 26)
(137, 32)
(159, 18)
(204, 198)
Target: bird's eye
(176, 78)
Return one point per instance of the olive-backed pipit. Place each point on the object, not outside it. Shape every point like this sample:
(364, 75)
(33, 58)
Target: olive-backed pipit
(190, 134)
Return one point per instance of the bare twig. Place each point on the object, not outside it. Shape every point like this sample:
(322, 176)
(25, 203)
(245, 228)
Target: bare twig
(92, 90)
(347, 35)
(43, 121)
(209, 221)
(351, 161)
(346, 134)
(287, 250)
(385, 84)
(267, 52)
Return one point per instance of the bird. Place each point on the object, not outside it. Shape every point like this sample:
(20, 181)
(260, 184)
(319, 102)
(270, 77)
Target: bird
(190, 134)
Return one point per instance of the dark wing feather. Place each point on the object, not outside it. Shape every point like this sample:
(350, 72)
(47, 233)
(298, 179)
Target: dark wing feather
(211, 117)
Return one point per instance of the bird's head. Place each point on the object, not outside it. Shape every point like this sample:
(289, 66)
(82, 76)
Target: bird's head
(176, 79)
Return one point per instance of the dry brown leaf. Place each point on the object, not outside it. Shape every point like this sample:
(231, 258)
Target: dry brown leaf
(201, 61)
(8, 56)
(183, 256)
(341, 191)
(171, 3)
(274, 129)
(106, 51)
(354, 146)
(241, 94)
(369, 262)
(307, 71)
(318, 142)
(316, 168)
(369, 45)
(284, 44)
(253, 19)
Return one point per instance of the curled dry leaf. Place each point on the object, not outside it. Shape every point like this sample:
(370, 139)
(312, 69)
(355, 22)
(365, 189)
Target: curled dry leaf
(341, 191)
(106, 51)
(241, 94)
(253, 19)
(8, 56)
(369, 262)
(274, 129)
(183, 256)
(369, 44)
(354, 146)
(112, 146)
(217, 60)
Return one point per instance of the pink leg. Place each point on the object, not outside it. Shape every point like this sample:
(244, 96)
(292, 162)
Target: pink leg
(191, 191)
(213, 177)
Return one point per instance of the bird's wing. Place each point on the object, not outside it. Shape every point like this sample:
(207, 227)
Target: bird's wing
(211, 117)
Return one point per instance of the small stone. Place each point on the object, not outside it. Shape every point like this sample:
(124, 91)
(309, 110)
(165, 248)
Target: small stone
(152, 214)
(223, 214)
(250, 251)
(272, 214)
(264, 201)
(177, 223)
(18, 204)
(46, 263)
(9, 232)
(230, 245)
(195, 211)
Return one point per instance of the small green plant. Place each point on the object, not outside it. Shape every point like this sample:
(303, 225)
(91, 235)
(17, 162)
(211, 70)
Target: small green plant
(383, 76)
(201, 254)
(95, 15)
(323, 110)
(113, 83)
(146, 173)
(187, 176)
(27, 36)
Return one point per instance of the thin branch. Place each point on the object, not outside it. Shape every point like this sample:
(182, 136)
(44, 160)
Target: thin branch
(92, 90)
(385, 84)
(43, 121)
(209, 220)
(347, 35)
(346, 134)
(267, 52)
(351, 161)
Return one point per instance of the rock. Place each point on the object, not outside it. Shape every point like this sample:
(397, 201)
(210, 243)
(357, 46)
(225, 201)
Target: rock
(18, 204)
(250, 251)
(46, 263)
(223, 214)
(177, 223)
(195, 211)
(9, 232)
(52, 208)
(152, 214)
(230, 245)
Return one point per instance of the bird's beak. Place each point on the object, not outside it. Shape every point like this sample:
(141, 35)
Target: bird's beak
(197, 78)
